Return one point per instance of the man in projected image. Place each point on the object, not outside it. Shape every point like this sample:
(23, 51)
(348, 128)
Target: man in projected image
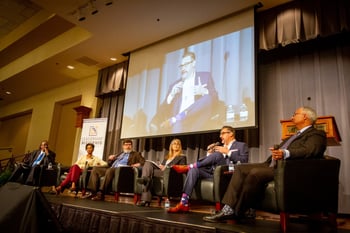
(189, 102)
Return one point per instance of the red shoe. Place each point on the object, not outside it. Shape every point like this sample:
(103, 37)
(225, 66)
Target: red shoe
(179, 208)
(181, 168)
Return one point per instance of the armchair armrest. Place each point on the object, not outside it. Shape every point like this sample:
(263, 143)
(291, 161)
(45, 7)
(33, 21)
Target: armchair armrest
(124, 179)
(305, 186)
(221, 181)
(172, 182)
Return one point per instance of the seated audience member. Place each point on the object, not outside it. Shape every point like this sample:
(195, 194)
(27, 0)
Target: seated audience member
(30, 168)
(249, 181)
(231, 150)
(85, 161)
(126, 158)
(150, 170)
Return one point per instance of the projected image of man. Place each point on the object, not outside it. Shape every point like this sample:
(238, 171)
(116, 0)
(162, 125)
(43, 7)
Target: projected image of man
(189, 102)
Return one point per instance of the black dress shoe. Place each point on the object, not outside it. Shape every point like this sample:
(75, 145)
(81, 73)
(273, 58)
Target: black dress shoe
(143, 203)
(220, 216)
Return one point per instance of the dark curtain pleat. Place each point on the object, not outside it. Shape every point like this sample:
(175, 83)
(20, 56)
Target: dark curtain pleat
(299, 21)
(112, 79)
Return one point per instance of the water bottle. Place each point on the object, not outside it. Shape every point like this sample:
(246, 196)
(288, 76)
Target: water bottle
(167, 203)
(243, 113)
(49, 166)
(230, 114)
(231, 167)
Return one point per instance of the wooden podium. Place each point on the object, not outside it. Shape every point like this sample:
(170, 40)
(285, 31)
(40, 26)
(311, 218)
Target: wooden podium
(325, 123)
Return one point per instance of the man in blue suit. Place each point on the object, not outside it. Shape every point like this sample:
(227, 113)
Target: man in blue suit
(190, 100)
(231, 150)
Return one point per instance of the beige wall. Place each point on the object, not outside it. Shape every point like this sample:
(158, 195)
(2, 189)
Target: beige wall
(42, 106)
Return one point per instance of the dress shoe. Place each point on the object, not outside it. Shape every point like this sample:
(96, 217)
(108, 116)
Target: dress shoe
(87, 195)
(98, 197)
(179, 208)
(181, 168)
(143, 203)
(220, 216)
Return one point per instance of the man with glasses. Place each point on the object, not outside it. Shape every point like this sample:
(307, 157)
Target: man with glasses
(230, 150)
(126, 158)
(189, 102)
(249, 181)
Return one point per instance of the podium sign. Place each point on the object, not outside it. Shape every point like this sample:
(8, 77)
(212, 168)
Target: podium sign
(325, 123)
(93, 131)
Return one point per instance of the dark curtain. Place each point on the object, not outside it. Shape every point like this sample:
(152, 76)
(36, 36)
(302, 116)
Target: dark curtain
(295, 23)
(302, 20)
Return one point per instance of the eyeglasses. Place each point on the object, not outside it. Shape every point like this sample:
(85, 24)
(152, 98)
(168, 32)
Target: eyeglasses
(222, 133)
(185, 64)
(296, 113)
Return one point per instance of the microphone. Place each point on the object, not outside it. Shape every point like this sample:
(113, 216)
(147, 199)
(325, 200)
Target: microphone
(211, 146)
(276, 147)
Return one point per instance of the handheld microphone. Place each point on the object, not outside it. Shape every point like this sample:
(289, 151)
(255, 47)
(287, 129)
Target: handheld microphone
(276, 147)
(211, 146)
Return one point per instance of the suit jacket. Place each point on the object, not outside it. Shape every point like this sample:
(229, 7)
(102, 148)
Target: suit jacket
(49, 158)
(180, 160)
(239, 152)
(196, 115)
(134, 157)
(311, 143)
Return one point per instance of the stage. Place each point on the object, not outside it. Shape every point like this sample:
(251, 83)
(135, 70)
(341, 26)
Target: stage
(33, 210)
(83, 215)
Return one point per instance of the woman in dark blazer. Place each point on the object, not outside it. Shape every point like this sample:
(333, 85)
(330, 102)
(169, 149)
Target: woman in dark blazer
(151, 169)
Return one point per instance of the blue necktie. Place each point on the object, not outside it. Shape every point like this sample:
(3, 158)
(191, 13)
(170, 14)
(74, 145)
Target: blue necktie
(38, 160)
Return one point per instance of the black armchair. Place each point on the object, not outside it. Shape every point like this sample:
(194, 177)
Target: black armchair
(213, 189)
(169, 185)
(303, 187)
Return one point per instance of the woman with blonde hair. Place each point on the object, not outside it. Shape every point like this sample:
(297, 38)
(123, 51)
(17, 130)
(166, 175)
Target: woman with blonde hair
(150, 170)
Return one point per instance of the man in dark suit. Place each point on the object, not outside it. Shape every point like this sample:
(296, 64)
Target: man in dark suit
(30, 168)
(248, 182)
(231, 150)
(126, 158)
(190, 101)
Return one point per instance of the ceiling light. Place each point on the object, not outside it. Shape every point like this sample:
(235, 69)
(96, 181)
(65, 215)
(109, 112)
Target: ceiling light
(70, 67)
(93, 8)
(8, 92)
(113, 58)
(108, 2)
(81, 15)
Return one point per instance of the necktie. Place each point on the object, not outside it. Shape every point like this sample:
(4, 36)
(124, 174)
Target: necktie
(285, 146)
(38, 160)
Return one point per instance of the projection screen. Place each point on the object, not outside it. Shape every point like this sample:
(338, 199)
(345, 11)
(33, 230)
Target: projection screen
(194, 82)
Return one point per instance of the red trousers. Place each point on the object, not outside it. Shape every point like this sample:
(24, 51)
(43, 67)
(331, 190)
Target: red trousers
(72, 176)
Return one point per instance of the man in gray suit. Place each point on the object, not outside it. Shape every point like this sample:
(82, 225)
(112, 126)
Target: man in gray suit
(231, 150)
(248, 183)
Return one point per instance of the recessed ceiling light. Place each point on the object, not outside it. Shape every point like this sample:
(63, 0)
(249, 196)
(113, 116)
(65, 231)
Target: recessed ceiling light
(113, 58)
(70, 67)
(8, 92)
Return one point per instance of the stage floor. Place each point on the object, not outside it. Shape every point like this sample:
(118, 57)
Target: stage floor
(84, 215)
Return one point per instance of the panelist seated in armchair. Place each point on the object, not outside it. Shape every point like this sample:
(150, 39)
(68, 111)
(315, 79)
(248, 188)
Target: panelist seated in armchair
(150, 170)
(85, 161)
(28, 171)
(248, 183)
(127, 157)
(231, 150)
